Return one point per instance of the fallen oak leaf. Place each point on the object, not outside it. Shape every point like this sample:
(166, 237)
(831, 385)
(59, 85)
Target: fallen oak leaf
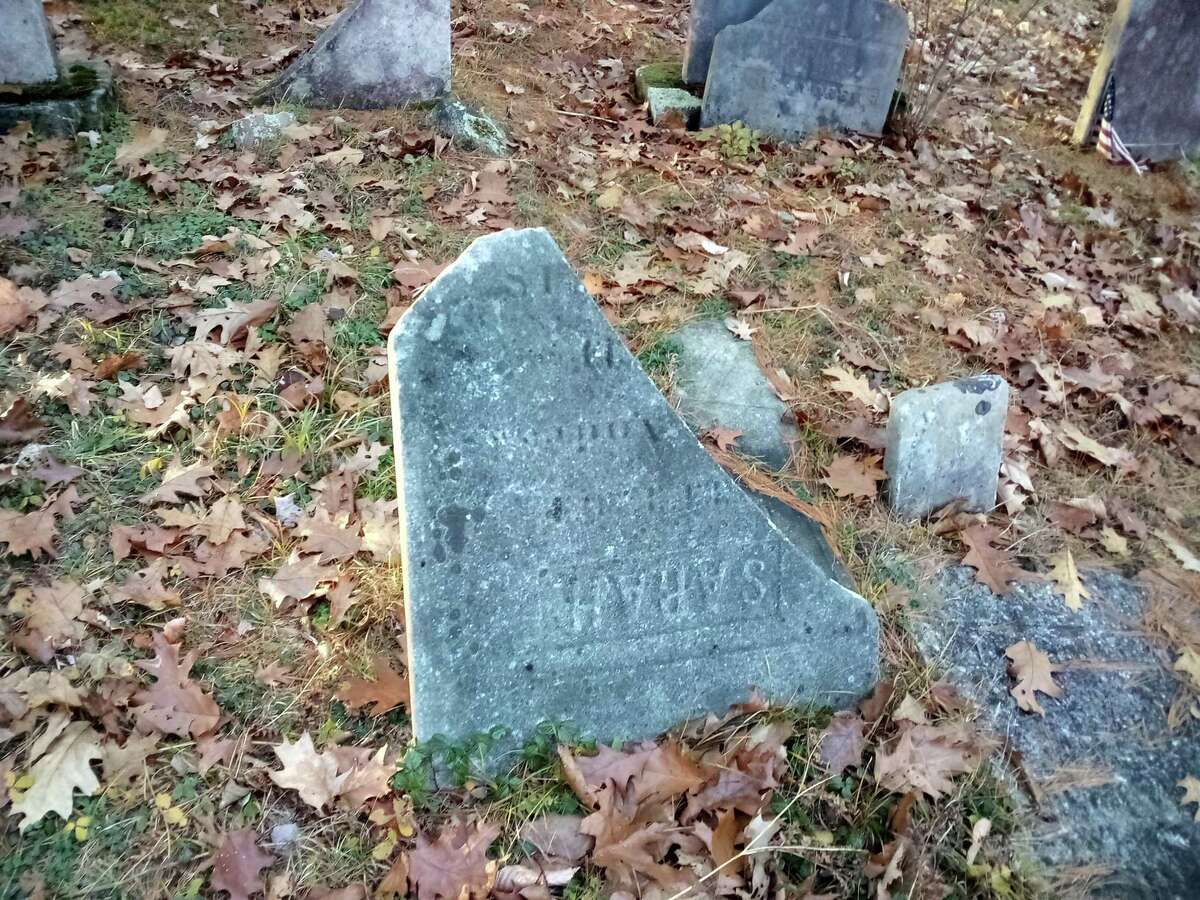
(1067, 581)
(1117, 457)
(994, 566)
(62, 770)
(1179, 550)
(386, 691)
(314, 776)
(850, 476)
(1191, 792)
(926, 757)
(298, 578)
(856, 386)
(1033, 672)
(1189, 664)
(237, 865)
(725, 438)
(174, 704)
(455, 866)
(841, 743)
(181, 482)
(144, 142)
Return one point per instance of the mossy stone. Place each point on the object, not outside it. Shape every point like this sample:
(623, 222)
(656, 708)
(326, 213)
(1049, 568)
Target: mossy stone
(84, 99)
(660, 74)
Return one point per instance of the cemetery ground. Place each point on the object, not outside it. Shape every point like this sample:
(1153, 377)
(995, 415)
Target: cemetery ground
(197, 500)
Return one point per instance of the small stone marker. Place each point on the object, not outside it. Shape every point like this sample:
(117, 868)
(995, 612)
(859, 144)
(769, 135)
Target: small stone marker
(706, 20)
(570, 550)
(1151, 63)
(27, 54)
(378, 54)
(718, 384)
(257, 129)
(945, 443)
(673, 107)
(803, 66)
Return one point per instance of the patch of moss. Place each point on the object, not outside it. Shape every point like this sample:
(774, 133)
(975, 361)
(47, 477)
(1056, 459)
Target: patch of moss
(78, 81)
(667, 74)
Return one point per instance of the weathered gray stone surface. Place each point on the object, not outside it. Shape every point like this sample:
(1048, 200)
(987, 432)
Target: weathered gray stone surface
(1111, 720)
(27, 54)
(258, 129)
(1157, 73)
(471, 128)
(84, 99)
(672, 105)
(570, 550)
(804, 534)
(378, 54)
(944, 443)
(803, 66)
(718, 384)
(706, 20)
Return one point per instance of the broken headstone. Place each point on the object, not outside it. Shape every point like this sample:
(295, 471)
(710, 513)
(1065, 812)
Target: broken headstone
(570, 550)
(718, 384)
(258, 129)
(652, 75)
(805, 66)
(470, 128)
(945, 443)
(378, 54)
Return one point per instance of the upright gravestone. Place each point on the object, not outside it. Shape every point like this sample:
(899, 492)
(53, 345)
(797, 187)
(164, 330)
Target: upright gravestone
(803, 66)
(378, 54)
(945, 443)
(27, 53)
(706, 19)
(570, 551)
(1150, 70)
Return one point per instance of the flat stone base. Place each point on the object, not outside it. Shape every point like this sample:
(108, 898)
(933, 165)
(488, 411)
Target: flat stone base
(1110, 724)
(84, 99)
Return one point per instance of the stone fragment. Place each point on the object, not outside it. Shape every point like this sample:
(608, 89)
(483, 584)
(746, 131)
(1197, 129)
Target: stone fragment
(258, 129)
(27, 54)
(945, 443)
(672, 107)
(805, 66)
(1151, 64)
(706, 20)
(1102, 757)
(471, 128)
(718, 384)
(651, 75)
(570, 551)
(83, 99)
(378, 54)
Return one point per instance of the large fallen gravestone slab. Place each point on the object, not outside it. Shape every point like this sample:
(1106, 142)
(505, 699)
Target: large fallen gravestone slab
(804, 66)
(944, 443)
(378, 54)
(570, 551)
(705, 20)
(1103, 760)
(1151, 65)
(27, 54)
(718, 384)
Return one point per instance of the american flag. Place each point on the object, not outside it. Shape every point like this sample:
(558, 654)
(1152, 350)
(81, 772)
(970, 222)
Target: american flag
(1109, 143)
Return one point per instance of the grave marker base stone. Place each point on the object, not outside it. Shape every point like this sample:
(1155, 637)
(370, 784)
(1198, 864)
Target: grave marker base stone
(570, 551)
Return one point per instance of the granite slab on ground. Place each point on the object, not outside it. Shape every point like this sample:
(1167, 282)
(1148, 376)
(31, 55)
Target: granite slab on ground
(27, 54)
(945, 442)
(570, 550)
(804, 66)
(1111, 721)
(83, 99)
(1151, 64)
(718, 383)
(378, 54)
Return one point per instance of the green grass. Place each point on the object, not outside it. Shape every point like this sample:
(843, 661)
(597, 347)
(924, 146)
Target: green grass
(659, 357)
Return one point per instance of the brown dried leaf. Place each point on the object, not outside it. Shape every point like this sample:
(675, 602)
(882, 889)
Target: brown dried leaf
(299, 578)
(181, 483)
(993, 566)
(841, 744)
(1034, 672)
(387, 691)
(237, 865)
(455, 866)
(174, 704)
(926, 757)
(313, 775)
(851, 476)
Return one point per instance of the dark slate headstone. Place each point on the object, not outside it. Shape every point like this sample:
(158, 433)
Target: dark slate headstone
(570, 550)
(706, 20)
(1151, 61)
(1111, 722)
(27, 54)
(803, 66)
(945, 442)
(378, 54)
